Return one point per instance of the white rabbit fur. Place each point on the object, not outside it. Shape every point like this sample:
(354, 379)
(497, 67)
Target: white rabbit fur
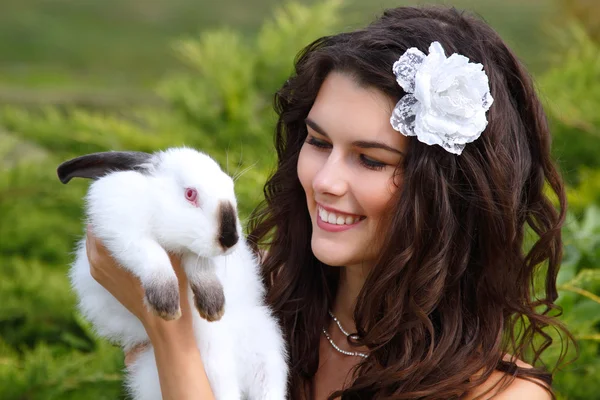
(139, 215)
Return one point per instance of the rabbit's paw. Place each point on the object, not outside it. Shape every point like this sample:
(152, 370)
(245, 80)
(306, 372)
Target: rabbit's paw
(162, 298)
(210, 300)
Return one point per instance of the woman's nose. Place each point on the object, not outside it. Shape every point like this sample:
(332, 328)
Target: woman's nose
(331, 178)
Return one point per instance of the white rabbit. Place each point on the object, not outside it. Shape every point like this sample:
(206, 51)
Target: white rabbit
(179, 200)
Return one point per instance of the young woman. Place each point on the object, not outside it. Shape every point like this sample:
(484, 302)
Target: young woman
(413, 159)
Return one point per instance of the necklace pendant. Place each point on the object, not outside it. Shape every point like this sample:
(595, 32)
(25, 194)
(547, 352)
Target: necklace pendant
(335, 346)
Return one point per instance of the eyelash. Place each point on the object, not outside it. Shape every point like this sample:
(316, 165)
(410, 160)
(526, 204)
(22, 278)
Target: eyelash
(365, 161)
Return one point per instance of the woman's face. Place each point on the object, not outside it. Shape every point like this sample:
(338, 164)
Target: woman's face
(346, 167)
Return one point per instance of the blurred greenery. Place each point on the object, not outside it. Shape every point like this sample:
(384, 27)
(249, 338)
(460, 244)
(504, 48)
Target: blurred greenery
(122, 47)
(83, 76)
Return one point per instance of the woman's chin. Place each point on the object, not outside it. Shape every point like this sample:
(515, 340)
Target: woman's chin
(330, 255)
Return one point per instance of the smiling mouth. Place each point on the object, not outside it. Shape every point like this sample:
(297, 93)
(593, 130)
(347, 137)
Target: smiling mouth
(338, 218)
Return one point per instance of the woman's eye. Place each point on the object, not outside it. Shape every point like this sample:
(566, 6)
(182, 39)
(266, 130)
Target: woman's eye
(364, 160)
(371, 164)
(318, 143)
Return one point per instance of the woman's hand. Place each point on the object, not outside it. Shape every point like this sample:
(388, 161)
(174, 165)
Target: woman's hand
(180, 369)
(126, 288)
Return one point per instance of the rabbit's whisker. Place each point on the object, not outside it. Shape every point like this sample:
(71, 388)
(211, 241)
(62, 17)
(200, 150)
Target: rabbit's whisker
(248, 168)
(244, 222)
(237, 167)
(227, 158)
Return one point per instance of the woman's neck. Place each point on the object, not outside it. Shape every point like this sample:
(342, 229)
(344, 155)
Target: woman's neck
(351, 282)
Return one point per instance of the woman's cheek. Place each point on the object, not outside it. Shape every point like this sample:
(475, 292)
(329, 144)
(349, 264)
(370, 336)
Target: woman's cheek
(377, 193)
(304, 168)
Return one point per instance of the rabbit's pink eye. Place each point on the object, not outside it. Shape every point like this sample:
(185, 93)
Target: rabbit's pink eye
(191, 194)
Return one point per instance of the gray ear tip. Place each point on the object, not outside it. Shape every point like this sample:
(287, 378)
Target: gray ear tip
(96, 165)
(71, 169)
(63, 175)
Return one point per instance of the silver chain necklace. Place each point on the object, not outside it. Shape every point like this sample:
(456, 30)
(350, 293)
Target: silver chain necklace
(335, 346)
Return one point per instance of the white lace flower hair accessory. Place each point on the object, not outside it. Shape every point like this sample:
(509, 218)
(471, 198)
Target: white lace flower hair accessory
(446, 98)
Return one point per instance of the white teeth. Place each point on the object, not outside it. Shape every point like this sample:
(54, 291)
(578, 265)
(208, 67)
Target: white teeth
(322, 214)
(336, 219)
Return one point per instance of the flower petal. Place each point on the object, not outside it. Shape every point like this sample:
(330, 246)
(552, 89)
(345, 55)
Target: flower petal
(436, 48)
(426, 72)
(453, 148)
(403, 116)
(487, 101)
(474, 126)
(431, 122)
(406, 67)
(456, 61)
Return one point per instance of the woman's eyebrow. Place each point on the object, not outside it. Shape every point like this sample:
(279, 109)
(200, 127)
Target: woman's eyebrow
(364, 144)
(375, 145)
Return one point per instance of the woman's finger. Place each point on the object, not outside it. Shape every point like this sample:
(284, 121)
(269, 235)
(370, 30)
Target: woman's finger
(89, 240)
(134, 352)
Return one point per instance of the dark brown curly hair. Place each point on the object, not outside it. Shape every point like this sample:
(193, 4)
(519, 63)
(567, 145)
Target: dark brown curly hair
(452, 292)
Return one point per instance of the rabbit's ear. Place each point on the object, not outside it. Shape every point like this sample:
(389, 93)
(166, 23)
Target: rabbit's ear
(96, 165)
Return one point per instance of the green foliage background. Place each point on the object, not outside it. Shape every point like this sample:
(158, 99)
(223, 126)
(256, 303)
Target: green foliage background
(88, 76)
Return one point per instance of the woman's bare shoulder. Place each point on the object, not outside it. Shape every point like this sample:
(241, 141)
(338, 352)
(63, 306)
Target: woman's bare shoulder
(519, 388)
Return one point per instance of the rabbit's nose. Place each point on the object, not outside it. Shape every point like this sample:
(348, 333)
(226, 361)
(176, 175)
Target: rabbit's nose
(229, 239)
(228, 235)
